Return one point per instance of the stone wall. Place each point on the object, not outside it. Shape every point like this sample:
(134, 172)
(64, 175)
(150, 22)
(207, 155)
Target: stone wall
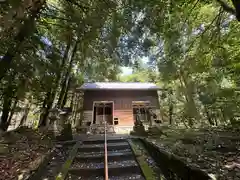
(173, 167)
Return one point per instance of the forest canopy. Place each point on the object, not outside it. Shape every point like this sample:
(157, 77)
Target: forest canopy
(48, 47)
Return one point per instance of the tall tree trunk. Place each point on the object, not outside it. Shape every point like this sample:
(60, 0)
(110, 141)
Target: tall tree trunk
(46, 112)
(66, 93)
(47, 104)
(7, 102)
(72, 100)
(62, 93)
(191, 105)
(13, 109)
(208, 116)
(63, 63)
(232, 120)
(66, 76)
(183, 121)
(24, 117)
(26, 112)
(223, 115)
(26, 30)
(170, 107)
(42, 121)
(171, 114)
(216, 121)
(5, 113)
(236, 4)
(50, 95)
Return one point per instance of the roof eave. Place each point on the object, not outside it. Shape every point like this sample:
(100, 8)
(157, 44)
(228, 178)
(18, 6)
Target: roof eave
(93, 89)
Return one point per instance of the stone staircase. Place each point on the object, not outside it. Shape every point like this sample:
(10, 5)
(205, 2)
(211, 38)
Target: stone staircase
(88, 163)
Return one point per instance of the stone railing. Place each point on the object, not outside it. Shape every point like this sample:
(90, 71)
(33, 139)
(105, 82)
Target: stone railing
(171, 166)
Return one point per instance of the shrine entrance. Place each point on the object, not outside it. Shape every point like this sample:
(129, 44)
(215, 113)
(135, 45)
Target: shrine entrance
(140, 109)
(102, 111)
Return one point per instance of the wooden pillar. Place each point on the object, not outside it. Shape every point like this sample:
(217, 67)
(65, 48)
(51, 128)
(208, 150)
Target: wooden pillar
(104, 118)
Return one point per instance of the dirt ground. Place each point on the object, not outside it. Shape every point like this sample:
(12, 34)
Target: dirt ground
(215, 150)
(21, 151)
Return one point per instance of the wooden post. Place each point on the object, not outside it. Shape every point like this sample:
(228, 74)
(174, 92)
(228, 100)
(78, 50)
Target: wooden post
(105, 145)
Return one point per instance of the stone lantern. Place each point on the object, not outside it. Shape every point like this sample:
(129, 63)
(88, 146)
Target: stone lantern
(65, 124)
(53, 119)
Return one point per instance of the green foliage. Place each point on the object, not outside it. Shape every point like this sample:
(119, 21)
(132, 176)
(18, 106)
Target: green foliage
(192, 48)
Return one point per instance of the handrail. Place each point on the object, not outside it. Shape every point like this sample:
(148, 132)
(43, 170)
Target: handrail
(105, 149)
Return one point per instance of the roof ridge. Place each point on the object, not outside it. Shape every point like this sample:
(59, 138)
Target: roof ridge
(120, 85)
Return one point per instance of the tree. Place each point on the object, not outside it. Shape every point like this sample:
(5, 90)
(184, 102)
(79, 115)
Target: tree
(47, 46)
(235, 11)
(24, 31)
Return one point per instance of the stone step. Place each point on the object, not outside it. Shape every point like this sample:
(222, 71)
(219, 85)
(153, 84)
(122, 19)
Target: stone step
(97, 165)
(100, 147)
(101, 141)
(99, 157)
(124, 177)
(89, 153)
(113, 170)
(66, 143)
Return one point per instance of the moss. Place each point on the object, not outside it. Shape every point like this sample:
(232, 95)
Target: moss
(172, 166)
(66, 166)
(60, 177)
(147, 171)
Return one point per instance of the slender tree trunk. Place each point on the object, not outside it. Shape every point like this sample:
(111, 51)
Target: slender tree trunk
(25, 31)
(5, 113)
(208, 116)
(66, 77)
(7, 102)
(170, 108)
(66, 93)
(191, 105)
(46, 112)
(64, 60)
(42, 116)
(223, 115)
(232, 120)
(50, 95)
(25, 115)
(216, 121)
(183, 121)
(72, 99)
(171, 115)
(236, 4)
(12, 110)
(64, 99)
(49, 105)
(62, 93)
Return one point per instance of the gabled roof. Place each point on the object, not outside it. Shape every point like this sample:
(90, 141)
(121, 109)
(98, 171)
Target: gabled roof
(118, 86)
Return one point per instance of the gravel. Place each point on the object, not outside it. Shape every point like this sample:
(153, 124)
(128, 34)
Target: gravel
(55, 164)
(122, 150)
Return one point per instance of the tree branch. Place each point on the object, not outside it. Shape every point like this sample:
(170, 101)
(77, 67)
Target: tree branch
(45, 15)
(226, 7)
(80, 6)
(236, 4)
